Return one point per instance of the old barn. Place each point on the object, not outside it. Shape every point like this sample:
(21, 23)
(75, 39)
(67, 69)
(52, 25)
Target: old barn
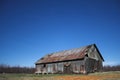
(79, 60)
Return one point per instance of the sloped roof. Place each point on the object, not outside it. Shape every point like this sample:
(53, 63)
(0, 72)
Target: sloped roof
(72, 54)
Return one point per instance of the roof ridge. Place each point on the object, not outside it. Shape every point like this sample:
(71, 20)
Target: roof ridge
(69, 49)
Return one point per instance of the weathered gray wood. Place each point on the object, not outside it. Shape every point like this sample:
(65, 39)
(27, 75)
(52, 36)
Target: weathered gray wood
(91, 62)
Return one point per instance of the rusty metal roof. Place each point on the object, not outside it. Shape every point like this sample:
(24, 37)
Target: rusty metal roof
(77, 53)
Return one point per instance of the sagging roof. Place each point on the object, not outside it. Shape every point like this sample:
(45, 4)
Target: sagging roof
(72, 54)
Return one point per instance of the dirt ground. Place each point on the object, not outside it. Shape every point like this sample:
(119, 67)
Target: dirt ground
(90, 77)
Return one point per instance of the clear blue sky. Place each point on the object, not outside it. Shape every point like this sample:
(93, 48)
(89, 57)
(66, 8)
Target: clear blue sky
(30, 29)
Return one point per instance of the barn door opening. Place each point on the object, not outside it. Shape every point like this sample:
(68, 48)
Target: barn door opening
(82, 69)
(67, 67)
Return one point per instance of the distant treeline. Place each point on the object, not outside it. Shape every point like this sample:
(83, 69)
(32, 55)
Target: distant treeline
(111, 68)
(16, 69)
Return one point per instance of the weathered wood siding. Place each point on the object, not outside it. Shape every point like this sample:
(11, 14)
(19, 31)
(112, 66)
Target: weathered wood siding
(55, 67)
(77, 66)
(92, 65)
(93, 53)
(85, 65)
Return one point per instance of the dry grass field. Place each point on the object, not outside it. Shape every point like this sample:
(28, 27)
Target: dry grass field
(93, 76)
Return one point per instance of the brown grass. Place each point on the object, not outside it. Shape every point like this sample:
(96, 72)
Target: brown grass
(89, 77)
(93, 76)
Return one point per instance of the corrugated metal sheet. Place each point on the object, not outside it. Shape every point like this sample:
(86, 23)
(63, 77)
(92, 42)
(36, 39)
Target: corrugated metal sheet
(72, 54)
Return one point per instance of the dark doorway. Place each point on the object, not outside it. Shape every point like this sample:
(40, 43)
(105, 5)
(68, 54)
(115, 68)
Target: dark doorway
(67, 68)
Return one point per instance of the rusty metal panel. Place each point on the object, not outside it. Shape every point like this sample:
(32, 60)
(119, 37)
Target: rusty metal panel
(72, 54)
(77, 53)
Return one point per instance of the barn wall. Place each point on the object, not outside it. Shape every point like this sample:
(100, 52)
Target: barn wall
(78, 66)
(85, 65)
(99, 65)
(40, 68)
(89, 65)
(92, 65)
(55, 67)
(93, 53)
(62, 67)
(72, 66)
(49, 68)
